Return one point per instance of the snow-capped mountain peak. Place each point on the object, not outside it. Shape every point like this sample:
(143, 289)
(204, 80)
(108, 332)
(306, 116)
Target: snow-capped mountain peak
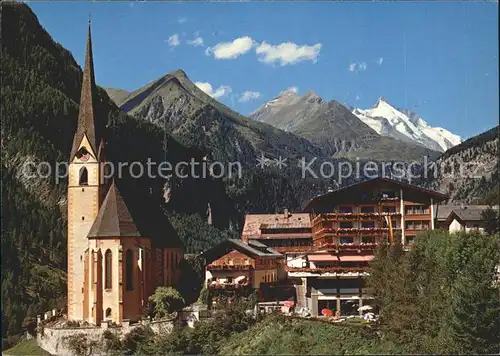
(387, 120)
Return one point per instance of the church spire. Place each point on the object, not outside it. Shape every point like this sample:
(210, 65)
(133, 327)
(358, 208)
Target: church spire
(86, 115)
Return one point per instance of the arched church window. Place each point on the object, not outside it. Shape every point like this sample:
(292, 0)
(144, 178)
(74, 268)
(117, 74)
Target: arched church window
(84, 176)
(108, 258)
(129, 270)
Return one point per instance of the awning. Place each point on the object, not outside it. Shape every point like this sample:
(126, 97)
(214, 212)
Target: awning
(322, 258)
(356, 258)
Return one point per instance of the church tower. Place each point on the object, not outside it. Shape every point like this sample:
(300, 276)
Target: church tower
(84, 187)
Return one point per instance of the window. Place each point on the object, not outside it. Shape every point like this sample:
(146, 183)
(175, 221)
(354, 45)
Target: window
(346, 240)
(129, 269)
(368, 239)
(410, 240)
(229, 279)
(368, 224)
(388, 194)
(345, 209)
(108, 258)
(417, 225)
(367, 209)
(84, 177)
(389, 209)
(417, 210)
(108, 313)
(345, 224)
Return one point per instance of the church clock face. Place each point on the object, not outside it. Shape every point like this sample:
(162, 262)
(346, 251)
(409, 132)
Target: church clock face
(83, 154)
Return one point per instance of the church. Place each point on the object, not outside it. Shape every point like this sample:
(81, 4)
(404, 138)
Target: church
(118, 252)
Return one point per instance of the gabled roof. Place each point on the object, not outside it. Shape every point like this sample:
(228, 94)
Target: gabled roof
(86, 113)
(463, 211)
(228, 245)
(255, 222)
(470, 213)
(435, 195)
(127, 213)
(113, 219)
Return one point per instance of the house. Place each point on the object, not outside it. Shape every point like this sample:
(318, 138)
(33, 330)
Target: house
(288, 233)
(462, 217)
(120, 248)
(234, 262)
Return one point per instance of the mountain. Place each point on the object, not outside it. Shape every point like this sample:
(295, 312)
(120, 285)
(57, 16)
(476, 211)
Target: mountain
(469, 171)
(406, 126)
(334, 128)
(176, 104)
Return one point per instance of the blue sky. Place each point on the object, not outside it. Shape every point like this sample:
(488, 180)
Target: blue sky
(437, 59)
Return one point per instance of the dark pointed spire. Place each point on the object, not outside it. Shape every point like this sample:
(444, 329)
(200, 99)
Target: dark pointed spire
(86, 115)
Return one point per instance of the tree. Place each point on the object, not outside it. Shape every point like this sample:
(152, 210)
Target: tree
(440, 297)
(491, 220)
(166, 300)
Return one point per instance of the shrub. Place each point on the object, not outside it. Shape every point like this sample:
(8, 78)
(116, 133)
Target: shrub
(166, 300)
(81, 345)
(111, 341)
(135, 339)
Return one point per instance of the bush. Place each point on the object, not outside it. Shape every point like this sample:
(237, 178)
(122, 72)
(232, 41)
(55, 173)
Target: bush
(136, 339)
(166, 300)
(81, 345)
(111, 341)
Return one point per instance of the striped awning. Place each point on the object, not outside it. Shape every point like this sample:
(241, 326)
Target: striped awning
(322, 258)
(356, 258)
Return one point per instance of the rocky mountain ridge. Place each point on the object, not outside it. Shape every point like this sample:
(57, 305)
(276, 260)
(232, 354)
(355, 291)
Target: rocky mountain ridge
(406, 126)
(333, 127)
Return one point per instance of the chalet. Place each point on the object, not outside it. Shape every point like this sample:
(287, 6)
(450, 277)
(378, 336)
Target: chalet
(462, 217)
(234, 262)
(347, 225)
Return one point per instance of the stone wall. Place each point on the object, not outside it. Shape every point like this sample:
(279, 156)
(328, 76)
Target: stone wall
(53, 339)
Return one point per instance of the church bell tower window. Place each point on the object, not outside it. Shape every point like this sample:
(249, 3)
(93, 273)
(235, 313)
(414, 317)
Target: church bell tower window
(84, 176)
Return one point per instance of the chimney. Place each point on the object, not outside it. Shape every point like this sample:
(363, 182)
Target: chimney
(286, 213)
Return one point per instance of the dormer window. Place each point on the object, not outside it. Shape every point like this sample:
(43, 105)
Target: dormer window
(84, 177)
(83, 154)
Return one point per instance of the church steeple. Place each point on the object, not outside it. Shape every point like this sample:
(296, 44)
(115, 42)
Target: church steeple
(86, 115)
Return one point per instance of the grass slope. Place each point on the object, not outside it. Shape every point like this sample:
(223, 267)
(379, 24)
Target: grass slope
(281, 336)
(26, 347)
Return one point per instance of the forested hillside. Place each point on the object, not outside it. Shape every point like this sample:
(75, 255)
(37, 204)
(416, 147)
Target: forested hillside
(469, 171)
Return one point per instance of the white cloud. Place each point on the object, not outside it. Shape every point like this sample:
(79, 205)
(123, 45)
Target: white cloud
(217, 93)
(181, 20)
(287, 53)
(357, 97)
(248, 96)
(174, 40)
(231, 50)
(293, 89)
(198, 41)
(357, 67)
(380, 61)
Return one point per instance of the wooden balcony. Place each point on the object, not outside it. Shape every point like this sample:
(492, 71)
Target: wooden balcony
(349, 246)
(291, 249)
(330, 269)
(229, 267)
(425, 217)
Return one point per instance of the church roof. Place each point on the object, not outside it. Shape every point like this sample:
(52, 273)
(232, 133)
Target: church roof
(86, 114)
(133, 215)
(114, 218)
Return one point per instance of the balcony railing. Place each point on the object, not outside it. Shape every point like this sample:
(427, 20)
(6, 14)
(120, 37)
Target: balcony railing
(349, 246)
(284, 249)
(230, 267)
(331, 269)
(351, 230)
